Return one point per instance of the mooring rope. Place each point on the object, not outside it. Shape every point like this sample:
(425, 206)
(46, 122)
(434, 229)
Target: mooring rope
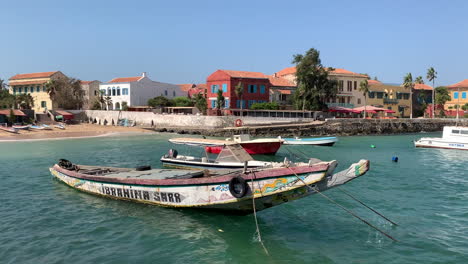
(368, 207)
(259, 236)
(342, 207)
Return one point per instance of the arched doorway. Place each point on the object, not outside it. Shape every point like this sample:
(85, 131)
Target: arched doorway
(117, 106)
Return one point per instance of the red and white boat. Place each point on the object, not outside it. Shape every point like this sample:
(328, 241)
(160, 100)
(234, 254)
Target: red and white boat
(252, 146)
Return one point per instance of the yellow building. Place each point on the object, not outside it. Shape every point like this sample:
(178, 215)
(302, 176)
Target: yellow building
(459, 94)
(392, 97)
(34, 84)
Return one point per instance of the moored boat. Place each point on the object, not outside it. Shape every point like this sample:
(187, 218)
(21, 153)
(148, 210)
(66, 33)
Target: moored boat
(318, 141)
(36, 127)
(21, 127)
(221, 190)
(9, 129)
(46, 127)
(60, 126)
(453, 137)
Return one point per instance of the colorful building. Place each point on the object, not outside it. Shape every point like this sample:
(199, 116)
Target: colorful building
(392, 97)
(348, 94)
(91, 93)
(255, 85)
(35, 84)
(192, 89)
(136, 91)
(459, 94)
(281, 91)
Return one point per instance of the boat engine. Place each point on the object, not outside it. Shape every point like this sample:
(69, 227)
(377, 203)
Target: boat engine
(66, 164)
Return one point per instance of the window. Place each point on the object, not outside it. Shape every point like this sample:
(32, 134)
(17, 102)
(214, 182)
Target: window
(20, 90)
(226, 103)
(252, 88)
(31, 89)
(262, 89)
(355, 85)
(125, 91)
(406, 96)
(173, 93)
(464, 95)
(455, 131)
(95, 92)
(224, 87)
(118, 90)
(359, 101)
(214, 88)
(213, 104)
(340, 85)
(44, 104)
(43, 88)
(109, 91)
(398, 95)
(371, 94)
(38, 88)
(464, 132)
(113, 91)
(14, 90)
(165, 92)
(380, 95)
(349, 86)
(455, 95)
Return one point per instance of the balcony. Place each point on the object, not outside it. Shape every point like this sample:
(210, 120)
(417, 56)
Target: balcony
(340, 105)
(390, 101)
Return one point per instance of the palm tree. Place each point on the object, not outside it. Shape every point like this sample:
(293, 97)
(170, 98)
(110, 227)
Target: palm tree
(364, 88)
(107, 101)
(419, 80)
(239, 90)
(431, 76)
(409, 84)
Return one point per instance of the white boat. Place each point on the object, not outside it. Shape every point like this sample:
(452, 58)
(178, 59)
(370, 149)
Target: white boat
(60, 126)
(453, 137)
(232, 156)
(36, 127)
(320, 141)
(47, 127)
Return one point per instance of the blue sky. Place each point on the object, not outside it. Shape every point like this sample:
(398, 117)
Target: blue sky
(185, 41)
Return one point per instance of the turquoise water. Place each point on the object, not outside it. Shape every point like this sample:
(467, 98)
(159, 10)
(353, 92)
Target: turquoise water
(45, 221)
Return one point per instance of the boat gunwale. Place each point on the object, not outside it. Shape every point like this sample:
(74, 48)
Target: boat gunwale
(256, 175)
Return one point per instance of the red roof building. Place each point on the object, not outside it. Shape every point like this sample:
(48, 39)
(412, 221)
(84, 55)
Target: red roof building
(255, 85)
(459, 94)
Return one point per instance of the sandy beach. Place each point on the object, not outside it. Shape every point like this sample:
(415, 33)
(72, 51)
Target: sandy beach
(71, 131)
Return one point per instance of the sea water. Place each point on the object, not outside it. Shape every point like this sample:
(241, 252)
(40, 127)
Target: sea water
(425, 192)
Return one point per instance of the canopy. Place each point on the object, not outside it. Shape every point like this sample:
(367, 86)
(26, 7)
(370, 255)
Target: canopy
(65, 115)
(340, 109)
(15, 112)
(369, 108)
(390, 111)
(201, 142)
(233, 153)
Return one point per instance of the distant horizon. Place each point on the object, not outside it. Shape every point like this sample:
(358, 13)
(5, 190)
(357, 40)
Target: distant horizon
(183, 42)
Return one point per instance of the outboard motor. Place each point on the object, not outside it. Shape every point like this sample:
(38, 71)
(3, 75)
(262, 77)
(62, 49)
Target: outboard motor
(66, 164)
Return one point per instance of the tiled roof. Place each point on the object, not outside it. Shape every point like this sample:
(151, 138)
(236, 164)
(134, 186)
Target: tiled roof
(27, 83)
(373, 82)
(285, 91)
(201, 85)
(462, 84)
(15, 112)
(125, 79)
(245, 74)
(279, 81)
(336, 71)
(422, 86)
(186, 86)
(32, 75)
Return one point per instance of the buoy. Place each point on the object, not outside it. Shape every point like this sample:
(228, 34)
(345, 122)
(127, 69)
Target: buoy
(372, 146)
(395, 159)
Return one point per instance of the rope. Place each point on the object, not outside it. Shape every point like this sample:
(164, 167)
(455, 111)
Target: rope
(257, 232)
(368, 207)
(342, 207)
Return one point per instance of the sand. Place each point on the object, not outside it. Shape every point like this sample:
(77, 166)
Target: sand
(70, 131)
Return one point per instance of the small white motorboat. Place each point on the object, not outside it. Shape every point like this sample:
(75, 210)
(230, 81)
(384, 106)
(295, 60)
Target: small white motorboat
(60, 126)
(46, 127)
(36, 127)
(319, 141)
(453, 137)
(19, 126)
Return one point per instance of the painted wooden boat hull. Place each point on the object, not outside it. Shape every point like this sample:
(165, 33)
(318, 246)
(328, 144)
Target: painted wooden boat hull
(268, 188)
(251, 147)
(9, 129)
(324, 141)
(194, 164)
(21, 127)
(440, 143)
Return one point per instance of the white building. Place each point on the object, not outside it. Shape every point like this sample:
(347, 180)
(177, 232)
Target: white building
(136, 91)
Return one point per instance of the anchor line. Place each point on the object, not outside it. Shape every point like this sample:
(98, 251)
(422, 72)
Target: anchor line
(344, 208)
(368, 207)
(255, 216)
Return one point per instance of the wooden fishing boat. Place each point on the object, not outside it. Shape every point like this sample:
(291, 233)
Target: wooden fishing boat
(9, 129)
(222, 190)
(36, 127)
(21, 127)
(453, 137)
(252, 146)
(232, 156)
(318, 141)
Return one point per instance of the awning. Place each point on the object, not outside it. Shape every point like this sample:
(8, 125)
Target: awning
(64, 114)
(390, 111)
(369, 108)
(340, 109)
(15, 112)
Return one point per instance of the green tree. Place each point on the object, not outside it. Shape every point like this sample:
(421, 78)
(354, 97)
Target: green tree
(183, 101)
(97, 105)
(11, 117)
(265, 106)
(2, 84)
(200, 102)
(239, 90)
(124, 106)
(314, 86)
(409, 84)
(66, 93)
(364, 88)
(441, 97)
(24, 101)
(220, 99)
(107, 102)
(160, 101)
(431, 76)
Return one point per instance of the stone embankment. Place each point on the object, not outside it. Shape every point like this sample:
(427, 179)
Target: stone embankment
(266, 126)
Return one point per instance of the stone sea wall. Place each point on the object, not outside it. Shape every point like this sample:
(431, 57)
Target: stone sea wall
(268, 127)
